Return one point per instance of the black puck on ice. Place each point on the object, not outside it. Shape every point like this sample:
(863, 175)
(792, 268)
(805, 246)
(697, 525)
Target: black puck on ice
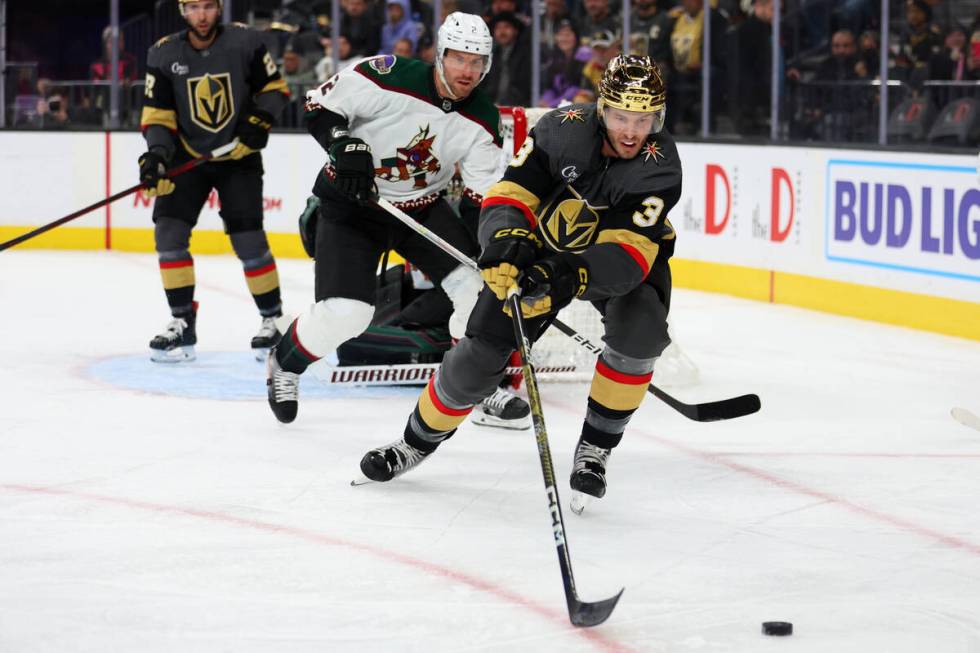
(779, 628)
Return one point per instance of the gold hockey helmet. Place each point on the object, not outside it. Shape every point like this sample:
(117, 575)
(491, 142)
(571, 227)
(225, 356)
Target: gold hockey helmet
(634, 83)
(182, 3)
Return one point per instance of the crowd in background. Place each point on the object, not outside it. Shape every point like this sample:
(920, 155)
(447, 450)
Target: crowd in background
(830, 53)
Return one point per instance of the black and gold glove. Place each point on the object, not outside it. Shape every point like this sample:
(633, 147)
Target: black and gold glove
(153, 170)
(509, 251)
(252, 132)
(550, 284)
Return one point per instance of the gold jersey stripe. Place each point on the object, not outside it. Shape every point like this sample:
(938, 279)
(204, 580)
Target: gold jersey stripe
(514, 191)
(164, 117)
(276, 85)
(643, 245)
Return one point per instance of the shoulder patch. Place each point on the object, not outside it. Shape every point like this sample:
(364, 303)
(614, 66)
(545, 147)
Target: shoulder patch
(383, 64)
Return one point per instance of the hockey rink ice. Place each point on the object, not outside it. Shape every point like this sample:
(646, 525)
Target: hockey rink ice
(153, 508)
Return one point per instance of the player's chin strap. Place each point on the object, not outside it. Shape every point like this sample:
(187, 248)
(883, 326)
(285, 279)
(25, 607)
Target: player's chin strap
(445, 84)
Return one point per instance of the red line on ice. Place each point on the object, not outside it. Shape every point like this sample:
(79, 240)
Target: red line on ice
(595, 637)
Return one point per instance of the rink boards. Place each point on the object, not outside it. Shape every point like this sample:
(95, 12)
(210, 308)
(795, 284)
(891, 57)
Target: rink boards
(886, 236)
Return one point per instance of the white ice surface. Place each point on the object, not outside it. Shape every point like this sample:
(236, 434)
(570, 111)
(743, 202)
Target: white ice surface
(135, 517)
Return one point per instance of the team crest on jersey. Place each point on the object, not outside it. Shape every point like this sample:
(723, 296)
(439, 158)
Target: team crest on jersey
(414, 161)
(571, 115)
(652, 151)
(383, 64)
(572, 224)
(212, 104)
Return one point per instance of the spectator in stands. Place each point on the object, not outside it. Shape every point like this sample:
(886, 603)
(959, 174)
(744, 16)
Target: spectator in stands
(563, 72)
(920, 42)
(750, 88)
(869, 56)
(604, 45)
(361, 28)
(399, 26)
(324, 67)
(101, 69)
(508, 82)
(951, 63)
(651, 29)
(599, 17)
(973, 53)
(54, 110)
(297, 73)
(502, 6)
(842, 64)
(684, 91)
(426, 50)
(555, 13)
(403, 48)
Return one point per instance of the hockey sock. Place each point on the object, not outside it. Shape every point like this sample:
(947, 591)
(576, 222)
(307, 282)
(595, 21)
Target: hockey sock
(291, 354)
(434, 418)
(262, 278)
(613, 398)
(178, 283)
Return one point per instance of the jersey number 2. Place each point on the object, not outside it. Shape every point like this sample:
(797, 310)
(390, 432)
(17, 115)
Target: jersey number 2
(270, 65)
(653, 206)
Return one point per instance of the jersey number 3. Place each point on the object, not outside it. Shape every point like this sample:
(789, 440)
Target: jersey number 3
(653, 206)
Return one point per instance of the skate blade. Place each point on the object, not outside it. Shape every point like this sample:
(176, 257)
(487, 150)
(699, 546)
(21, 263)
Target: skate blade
(580, 501)
(482, 419)
(361, 480)
(176, 355)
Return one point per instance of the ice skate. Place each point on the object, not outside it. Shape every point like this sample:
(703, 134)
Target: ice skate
(176, 343)
(385, 463)
(267, 338)
(503, 409)
(588, 479)
(283, 390)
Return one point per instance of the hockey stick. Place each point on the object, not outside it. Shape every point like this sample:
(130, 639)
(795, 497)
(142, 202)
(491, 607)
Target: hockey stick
(581, 613)
(173, 172)
(704, 412)
(965, 417)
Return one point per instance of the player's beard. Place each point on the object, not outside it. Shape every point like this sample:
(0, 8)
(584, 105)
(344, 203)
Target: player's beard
(206, 36)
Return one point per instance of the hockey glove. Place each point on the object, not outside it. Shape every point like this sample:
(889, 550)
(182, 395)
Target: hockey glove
(252, 132)
(354, 168)
(552, 283)
(153, 171)
(509, 251)
(307, 225)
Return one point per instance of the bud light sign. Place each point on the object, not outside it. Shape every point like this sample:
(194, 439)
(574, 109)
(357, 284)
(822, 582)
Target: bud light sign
(916, 218)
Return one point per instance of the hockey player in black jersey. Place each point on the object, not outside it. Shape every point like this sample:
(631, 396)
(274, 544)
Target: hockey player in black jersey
(581, 213)
(206, 86)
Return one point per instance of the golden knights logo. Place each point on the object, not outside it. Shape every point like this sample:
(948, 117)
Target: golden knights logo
(414, 161)
(212, 103)
(572, 224)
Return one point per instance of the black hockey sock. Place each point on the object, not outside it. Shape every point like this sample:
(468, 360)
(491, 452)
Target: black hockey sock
(291, 354)
(420, 437)
(603, 426)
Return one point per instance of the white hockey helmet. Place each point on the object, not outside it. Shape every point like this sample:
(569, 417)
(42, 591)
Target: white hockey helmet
(466, 33)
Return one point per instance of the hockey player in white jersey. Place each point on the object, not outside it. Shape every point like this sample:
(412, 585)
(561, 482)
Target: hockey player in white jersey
(396, 127)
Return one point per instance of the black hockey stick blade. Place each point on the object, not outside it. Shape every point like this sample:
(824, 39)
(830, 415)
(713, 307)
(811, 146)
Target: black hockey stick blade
(592, 614)
(711, 411)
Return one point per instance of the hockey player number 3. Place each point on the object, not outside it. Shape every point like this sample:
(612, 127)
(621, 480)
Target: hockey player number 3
(523, 153)
(653, 206)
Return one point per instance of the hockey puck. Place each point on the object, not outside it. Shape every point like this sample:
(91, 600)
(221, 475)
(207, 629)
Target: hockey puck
(778, 628)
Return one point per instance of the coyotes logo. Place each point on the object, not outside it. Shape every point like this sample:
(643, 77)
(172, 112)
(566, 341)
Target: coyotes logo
(414, 161)
(212, 104)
